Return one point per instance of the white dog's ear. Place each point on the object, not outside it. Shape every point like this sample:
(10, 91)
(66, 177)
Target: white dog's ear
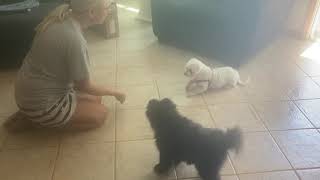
(188, 72)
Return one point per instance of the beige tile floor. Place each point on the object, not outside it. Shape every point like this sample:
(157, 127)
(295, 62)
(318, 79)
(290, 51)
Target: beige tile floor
(279, 112)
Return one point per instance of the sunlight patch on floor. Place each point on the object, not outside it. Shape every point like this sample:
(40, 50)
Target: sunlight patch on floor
(312, 52)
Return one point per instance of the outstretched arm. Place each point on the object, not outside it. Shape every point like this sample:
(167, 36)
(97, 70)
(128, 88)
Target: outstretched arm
(88, 87)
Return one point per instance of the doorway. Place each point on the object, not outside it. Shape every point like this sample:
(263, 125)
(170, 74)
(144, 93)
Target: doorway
(313, 31)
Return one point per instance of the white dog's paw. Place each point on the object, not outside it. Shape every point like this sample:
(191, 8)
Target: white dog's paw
(189, 94)
(192, 93)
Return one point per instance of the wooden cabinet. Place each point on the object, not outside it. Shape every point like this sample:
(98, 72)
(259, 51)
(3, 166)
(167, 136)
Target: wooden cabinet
(110, 27)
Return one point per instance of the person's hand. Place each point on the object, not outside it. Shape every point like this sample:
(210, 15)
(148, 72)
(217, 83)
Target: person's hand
(121, 97)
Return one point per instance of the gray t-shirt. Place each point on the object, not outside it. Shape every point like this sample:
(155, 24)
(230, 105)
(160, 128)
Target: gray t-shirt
(57, 58)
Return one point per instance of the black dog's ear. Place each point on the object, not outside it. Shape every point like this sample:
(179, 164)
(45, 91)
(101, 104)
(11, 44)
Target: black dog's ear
(153, 101)
(168, 102)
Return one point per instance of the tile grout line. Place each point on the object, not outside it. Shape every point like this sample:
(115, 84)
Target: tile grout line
(304, 113)
(116, 63)
(115, 146)
(301, 99)
(157, 87)
(254, 111)
(305, 99)
(56, 159)
(211, 114)
(216, 126)
(115, 116)
(255, 115)
(196, 178)
(307, 74)
(135, 140)
(312, 79)
(292, 129)
(264, 172)
(313, 168)
(277, 144)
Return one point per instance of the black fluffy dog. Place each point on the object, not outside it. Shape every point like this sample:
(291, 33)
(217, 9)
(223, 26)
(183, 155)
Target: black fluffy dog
(180, 140)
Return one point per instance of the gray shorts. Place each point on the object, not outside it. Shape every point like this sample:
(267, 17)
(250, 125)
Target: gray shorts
(57, 115)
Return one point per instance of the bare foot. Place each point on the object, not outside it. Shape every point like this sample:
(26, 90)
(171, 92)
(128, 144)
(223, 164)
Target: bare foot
(18, 123)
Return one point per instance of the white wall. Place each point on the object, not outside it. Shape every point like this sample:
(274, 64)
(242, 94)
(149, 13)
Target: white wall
(298, 15)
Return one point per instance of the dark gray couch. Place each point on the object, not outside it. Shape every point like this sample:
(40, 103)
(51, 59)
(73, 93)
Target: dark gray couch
(17, 31)
(228, 30)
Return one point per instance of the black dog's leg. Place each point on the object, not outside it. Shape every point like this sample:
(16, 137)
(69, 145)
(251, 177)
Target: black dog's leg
(176, 162)
(165, 162)
(207, 171)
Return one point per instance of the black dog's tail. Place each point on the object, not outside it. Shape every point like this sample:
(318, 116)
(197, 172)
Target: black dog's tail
(233, 139)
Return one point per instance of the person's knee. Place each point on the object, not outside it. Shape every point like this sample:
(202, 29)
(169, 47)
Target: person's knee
(99, 99)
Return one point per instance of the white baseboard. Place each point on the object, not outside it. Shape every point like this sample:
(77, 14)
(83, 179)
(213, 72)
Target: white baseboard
(143, 18)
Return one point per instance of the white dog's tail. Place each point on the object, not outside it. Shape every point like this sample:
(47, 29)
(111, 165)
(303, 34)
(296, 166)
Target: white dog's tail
(244, 83)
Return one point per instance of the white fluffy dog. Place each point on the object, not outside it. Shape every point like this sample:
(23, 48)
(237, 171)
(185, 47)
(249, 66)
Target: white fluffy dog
(204, 78)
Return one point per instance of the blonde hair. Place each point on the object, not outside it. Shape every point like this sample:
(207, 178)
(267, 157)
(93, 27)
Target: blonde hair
(62, 12)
